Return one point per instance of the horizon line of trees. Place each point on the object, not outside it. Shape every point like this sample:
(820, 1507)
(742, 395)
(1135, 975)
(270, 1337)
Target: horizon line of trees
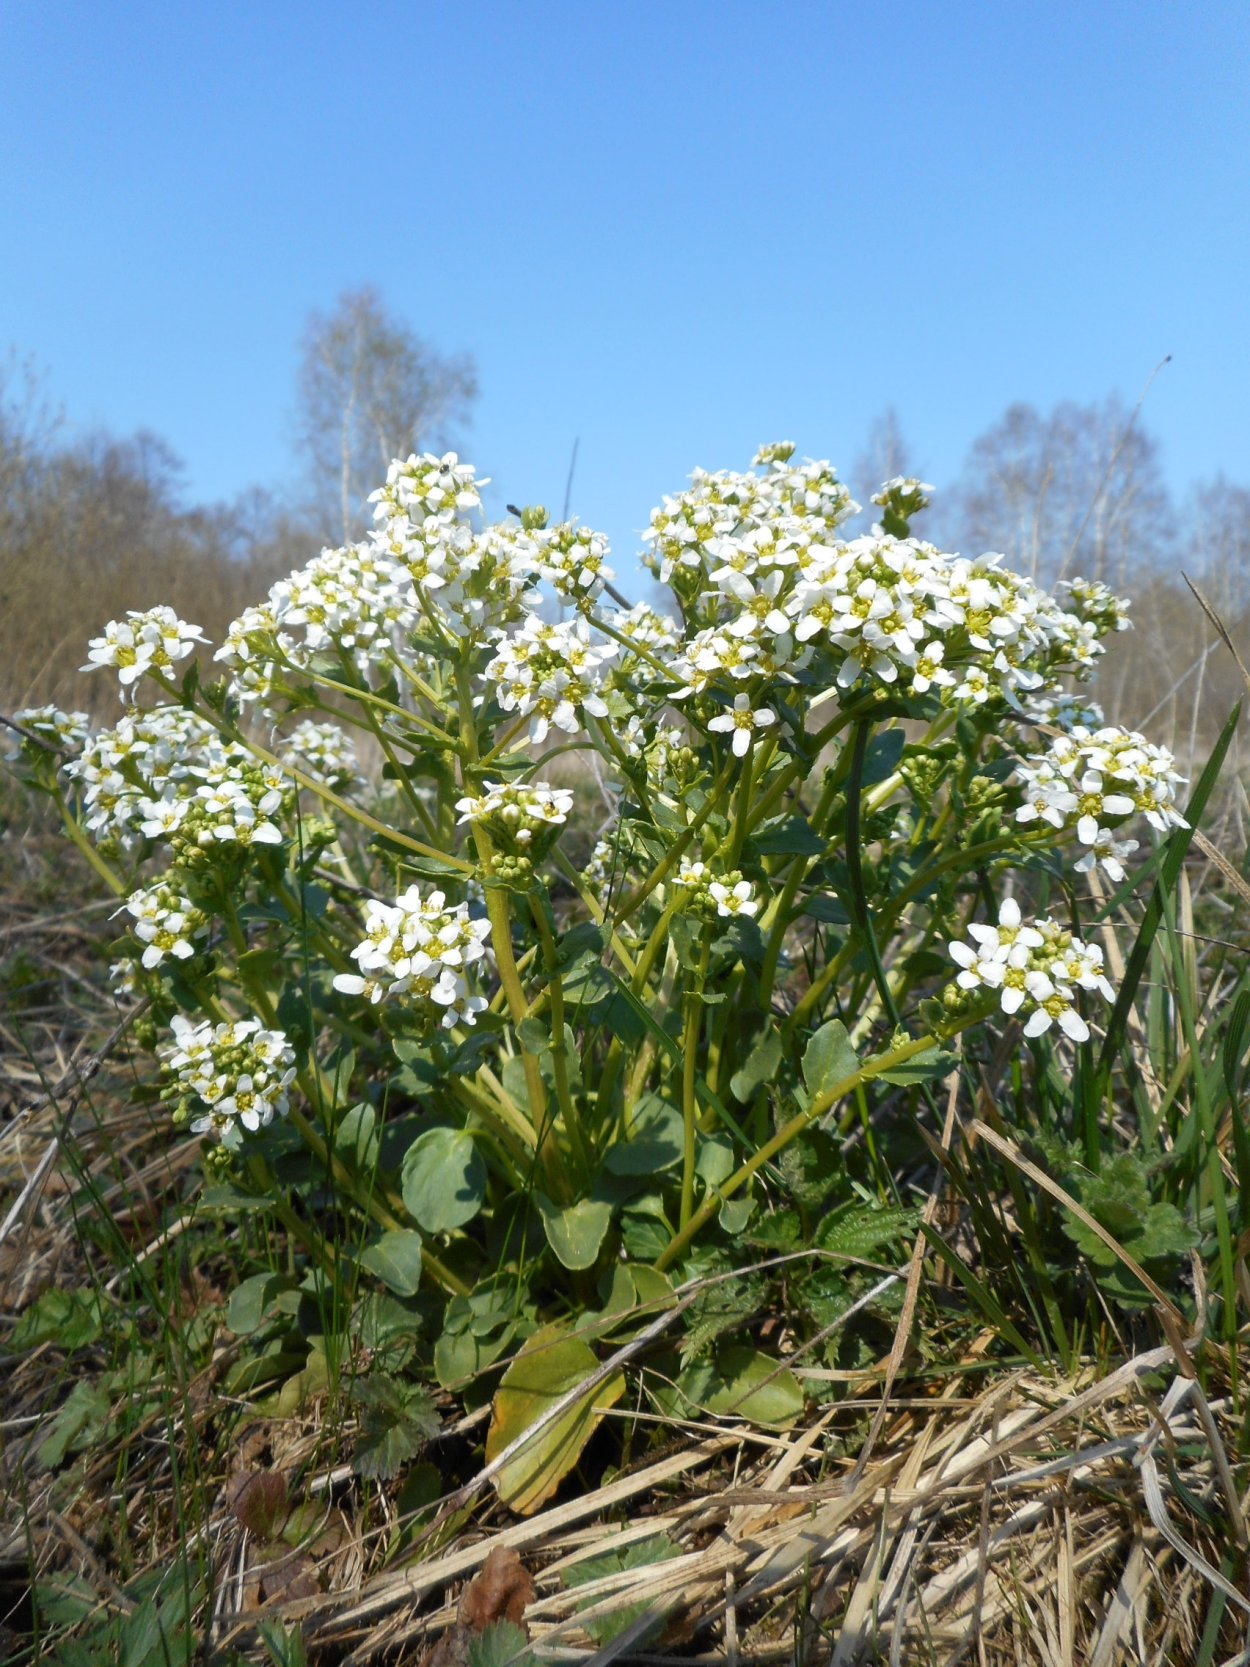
(93, 525)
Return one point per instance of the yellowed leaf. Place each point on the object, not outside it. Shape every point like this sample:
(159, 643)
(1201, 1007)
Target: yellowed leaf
(549, 1367)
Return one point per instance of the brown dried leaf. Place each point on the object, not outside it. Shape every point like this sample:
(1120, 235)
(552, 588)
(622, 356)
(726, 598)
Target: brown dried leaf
(500, 1591)
(451, 1650)
(286, 1574)
(259, 1502)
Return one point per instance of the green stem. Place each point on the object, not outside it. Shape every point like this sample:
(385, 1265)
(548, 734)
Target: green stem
(689, 1071)
(499, 914)
(116, 885)
(855, 867)
(776, 916)
(559, 1056)
(820, 1105)
(677, 849)
(326, 794)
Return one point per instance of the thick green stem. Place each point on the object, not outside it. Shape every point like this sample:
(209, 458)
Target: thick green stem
(689, 1072)
(499, 914)
(116, 885)
(764, 1154)
(559, 1054)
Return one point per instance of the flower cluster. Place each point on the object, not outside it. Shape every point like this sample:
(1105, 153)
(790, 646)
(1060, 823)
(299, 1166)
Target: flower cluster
(166, 923)
(726, 895)
(573, 560)
(461, 580)
(723, 509)
(770, 590)
(424, 489)
(1037, 970)
(236, 1071)
(167, 775)
(347, 603)
(549, 672)
(653, 637)
(417, 949)
(517, 809)
(1091, 781)
(65, 732)
(143, 642)
(325, 751)
(904, 496)
(147, 756)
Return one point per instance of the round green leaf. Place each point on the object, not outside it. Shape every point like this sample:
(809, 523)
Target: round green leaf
(443, 1180)
(575, 1233)
(396, 1259)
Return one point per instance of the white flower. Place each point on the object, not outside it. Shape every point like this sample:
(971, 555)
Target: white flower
(165, 923)
(550, 672)
(1034, 968)
(1107, 853)
(416, 949)
(735, 900)
(239, 1073)
(742, 722)
(66, 732)
(144, 641)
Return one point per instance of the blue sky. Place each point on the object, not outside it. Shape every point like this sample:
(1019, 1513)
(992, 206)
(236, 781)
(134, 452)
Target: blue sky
(672, 231)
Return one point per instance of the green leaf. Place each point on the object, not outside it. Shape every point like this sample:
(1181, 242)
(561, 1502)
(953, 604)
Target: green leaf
(356, 1138)
(502, 1644)
(69, 1318)
(534, 1036)
(583, 941)
(746, 1383)
(883, 755)
(478, 1327)
(576, 1231)
(230, 1199)
(759, 1068)
(735, 1213)
(790, 837)
(715, 1160)
(811, 1167)
(858, 1231)
(825, 907)
(396, 1420)
(922, 1067)
(443, 1180)
(395, 1258)
(641, 1554)
(549, 1367)
(656, 1143)
(828, 1058)
(726, 1305)
(251, 1302)
(64, 1598)
(77, 1424)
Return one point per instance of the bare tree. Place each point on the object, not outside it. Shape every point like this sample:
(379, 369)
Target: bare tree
(369, 390)
(1077, 491)
(885, 455)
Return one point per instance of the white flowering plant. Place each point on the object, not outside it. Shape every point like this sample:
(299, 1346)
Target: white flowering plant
(655, 916)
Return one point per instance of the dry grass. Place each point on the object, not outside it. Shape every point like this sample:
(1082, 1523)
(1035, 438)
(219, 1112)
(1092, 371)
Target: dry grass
(968, 1512)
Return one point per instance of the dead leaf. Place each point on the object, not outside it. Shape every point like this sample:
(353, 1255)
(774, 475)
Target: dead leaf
(259, 1502)
(500, 1591)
